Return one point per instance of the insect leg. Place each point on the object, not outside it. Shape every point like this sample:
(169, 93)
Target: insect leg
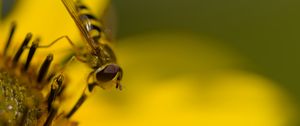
(77, 105)
(60, 69)
(57, 40)
(82, 98)
(76, 49)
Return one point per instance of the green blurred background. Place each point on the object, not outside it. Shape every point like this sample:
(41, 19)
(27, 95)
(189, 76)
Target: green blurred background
(264, 31)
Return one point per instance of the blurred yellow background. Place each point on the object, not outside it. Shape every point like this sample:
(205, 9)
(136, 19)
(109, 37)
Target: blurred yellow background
(192, 62)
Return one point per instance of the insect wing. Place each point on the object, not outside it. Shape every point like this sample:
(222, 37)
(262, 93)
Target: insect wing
(109, 22)
(71, 7)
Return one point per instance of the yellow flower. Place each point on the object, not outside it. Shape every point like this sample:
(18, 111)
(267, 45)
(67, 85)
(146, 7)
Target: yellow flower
(171, 78)
(40, 85)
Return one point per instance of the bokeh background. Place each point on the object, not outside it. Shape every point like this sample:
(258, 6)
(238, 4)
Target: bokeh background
(201, 62)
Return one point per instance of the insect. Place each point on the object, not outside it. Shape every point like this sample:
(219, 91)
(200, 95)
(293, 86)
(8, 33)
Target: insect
(98, 54)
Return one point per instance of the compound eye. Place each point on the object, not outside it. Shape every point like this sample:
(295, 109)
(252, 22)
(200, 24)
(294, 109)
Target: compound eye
(108, 73)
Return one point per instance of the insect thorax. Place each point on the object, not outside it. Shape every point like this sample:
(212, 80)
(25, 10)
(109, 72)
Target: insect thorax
(101, 56)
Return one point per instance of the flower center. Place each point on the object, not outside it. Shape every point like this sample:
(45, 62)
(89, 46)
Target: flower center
(18, 104)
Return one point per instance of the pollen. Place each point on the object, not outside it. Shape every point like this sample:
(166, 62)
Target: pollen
(30, 92)
(18, 104)
(35, 84)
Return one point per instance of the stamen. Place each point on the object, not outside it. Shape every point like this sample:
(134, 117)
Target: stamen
(51, 116)
(45, 67)
(55, 89)
(24, 117)
(32, 50)
(21, 49)
(12, 31)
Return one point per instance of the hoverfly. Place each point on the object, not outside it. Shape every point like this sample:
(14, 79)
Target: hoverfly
(99, 56)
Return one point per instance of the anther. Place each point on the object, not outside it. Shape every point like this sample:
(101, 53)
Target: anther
(12, 31)
(32, 50)
(21, 49)
(56, 87)
(44, 68)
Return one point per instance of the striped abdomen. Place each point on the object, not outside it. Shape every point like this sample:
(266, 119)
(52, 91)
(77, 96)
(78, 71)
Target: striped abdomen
(94, 27)
(91, 23)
